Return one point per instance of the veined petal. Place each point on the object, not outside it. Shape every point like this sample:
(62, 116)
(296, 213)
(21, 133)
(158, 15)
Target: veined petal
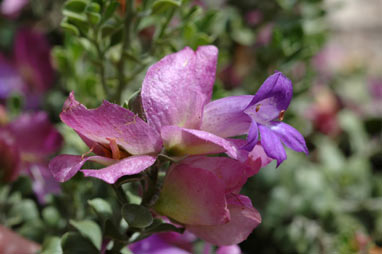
(289, 136)
(110, 121)
(65, 166)
(244, 218)
(230, 171)
(225, 117)
(128, 166)
(193, 196)
(271, 100)
(176, 88)
(181, 141)
(272, 144)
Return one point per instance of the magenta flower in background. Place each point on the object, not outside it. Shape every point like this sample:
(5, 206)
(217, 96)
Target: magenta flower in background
(264, 35)
(202, 194)
(10, 80)
(12, 8)
(26, 144)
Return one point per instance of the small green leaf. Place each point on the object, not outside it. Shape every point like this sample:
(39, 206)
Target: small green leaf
(77, 6)
(110, 9)
(89, 229)
(161, 6)
(75, 243)
(52, 245)
(101, 207)
(69, 27)
(137, 216)
(51, 215)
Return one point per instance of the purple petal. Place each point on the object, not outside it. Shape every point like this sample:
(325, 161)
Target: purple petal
(180, 141)
(155, 245)
(110, 121)
(10, 79)
(225, 117)
(176, 88)
(289, 136)
(230, 171)
(129, 166)
(244, 218)
(35, 135)
(43, 182)
(65, 166)
(271, 100)
(252, 137)
(257, 159)
(230, 249)
(193, 196)
(12, 8)
(272, 144)
(34, 59)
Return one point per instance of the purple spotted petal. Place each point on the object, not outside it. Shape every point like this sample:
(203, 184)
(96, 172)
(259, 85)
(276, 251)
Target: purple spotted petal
(272, 144)
(176, 88)
(289, 136)
(65, 166)
(33, 59)
(273, 97)
(155, 245)
(35, 135)
(244, 218)
(252, 138)
(181, 141)
(129, 166)
(225, 117)
(111, 122)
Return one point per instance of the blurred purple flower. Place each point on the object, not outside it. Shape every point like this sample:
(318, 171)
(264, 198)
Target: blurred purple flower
(12, 8)
(28, 141)
(375, 88)
(264, 36)
(10, 80)
(254, 17)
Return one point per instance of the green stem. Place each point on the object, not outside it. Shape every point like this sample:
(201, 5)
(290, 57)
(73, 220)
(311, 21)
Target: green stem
(120, 194)
(165, 24)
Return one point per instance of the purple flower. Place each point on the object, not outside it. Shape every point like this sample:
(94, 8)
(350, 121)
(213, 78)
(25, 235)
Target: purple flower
(10, 80)
(26, 143)
(12, 8)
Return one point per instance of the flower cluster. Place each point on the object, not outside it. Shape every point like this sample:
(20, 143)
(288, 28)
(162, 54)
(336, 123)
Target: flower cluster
(179, 120)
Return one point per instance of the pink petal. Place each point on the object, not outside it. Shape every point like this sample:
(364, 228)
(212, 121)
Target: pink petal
(244, 218)
(226, 118)
(257, 159)
(230, 171)
(65, 166)
(110, 121)
(35, 134)
(129, 166)
(155, 245)
(193, 196)
(176, 88)
(230, 249)
(180, 141)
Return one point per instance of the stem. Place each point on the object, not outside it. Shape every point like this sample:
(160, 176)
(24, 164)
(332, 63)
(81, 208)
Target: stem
(151, 195)
(165, 24)
(120, 194)
(125, 43)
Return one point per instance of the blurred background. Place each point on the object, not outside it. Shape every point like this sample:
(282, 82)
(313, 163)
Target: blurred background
(327, 202)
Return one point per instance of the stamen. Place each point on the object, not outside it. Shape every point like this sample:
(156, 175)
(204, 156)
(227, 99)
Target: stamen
(114, 149)
(258, 107)
(281, 115)
(90, 151)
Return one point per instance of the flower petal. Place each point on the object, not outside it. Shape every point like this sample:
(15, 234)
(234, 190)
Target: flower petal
(110, 121)
(225, 117)
(155, 245)
(230, 171)
(193, 196)
(10, 161)
(180, 141)
(271, 99)
(176, 88)
(129, 166)
(230, 249)
(257, 159)
(65, 166)
(244, 218)
(35, 135)
(272, 144)
(252, 138)
(43, 182)
(289, 136)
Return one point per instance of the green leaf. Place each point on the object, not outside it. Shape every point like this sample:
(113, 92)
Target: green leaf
(74, 15)
(110, 9)
(75, 243)
(137, 216)
(90, 230)
(76, 6)
(161, 6)
(101, 207)
(158, 226)
(69, 27)
(52, 245)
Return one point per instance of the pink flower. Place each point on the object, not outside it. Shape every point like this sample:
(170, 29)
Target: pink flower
(12, 8)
